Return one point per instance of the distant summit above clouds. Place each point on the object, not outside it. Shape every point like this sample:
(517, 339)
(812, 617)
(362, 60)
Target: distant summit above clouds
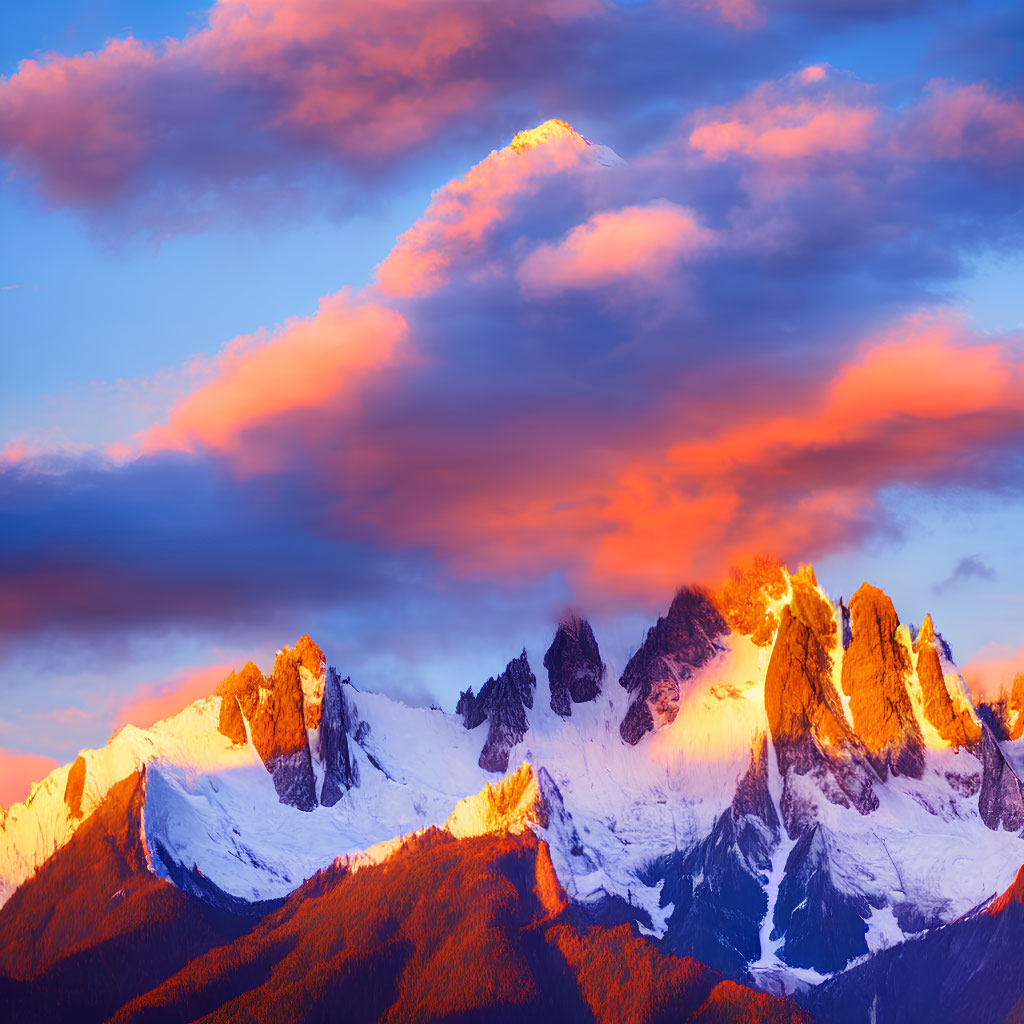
(776, 783)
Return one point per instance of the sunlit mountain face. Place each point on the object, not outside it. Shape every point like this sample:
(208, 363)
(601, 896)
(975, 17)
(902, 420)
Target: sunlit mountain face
(418, 424)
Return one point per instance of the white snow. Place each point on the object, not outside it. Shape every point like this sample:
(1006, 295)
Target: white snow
(212, 805)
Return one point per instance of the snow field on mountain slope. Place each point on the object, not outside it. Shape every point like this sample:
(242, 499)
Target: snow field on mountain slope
(232, 826)
(31, 832)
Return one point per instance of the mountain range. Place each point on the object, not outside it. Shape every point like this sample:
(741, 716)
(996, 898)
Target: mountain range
(783, 807)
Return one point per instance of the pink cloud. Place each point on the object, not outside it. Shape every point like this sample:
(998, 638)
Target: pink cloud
(993, 669)
(796, 119)
(364, 81)
(79, 117)
(963, 122)
(15, 451)
(640, 243)
(17, 773)
(818, 113)
(456, 226)
(153, 702)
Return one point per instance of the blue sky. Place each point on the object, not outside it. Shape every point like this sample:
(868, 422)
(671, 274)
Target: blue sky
(455, 483)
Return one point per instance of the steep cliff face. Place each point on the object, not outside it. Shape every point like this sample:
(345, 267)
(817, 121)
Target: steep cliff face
(956, 725)
(676, 647)
(822, 926)
(717, 888)
(274, 711)
(965, 971)
(1000, 802)
(502, 703)
(574, 666)
(809, 731)
(341, 771)
(875, 671)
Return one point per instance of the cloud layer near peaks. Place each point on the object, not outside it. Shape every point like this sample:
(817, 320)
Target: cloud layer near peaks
(621, 374)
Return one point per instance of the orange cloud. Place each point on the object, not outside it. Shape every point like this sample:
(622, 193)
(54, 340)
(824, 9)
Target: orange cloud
(153, 702)
(307, 364)
(462, 214)
(17, 773)
(635, 243)
(794, 473)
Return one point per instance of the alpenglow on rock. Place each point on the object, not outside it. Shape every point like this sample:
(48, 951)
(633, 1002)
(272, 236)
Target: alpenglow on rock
(809, 730)
(502, 703)
(274, 710)
(875, 671)
(574, 665)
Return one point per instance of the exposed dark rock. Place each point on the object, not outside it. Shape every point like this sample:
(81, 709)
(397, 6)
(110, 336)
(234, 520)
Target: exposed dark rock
(560, 827)
(874, 677)
(274, 710)
(844, 612)
(74, 788)
(502, 703)
(752, 795)
(1000, 803)
(342, 772)
(574, 665)
(717, 888)
(966, 971)
(809, 731)
(823, 927)
(677, 646)
(956, 726)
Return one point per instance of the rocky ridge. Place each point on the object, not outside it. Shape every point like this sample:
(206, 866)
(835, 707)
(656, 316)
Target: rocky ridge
(574, 666)
(502, 703)
(676, 648)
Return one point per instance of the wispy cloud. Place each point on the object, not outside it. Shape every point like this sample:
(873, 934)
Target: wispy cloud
(970, 567)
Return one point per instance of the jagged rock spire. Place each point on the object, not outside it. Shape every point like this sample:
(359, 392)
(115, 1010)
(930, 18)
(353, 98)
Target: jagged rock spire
(875, 672)
(274, 710)
(341, 769)
(574, 665)
(678, 645)
(502, 703)
(809, 730)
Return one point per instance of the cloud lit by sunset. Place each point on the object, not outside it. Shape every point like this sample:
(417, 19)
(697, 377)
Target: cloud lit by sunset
(426, 313)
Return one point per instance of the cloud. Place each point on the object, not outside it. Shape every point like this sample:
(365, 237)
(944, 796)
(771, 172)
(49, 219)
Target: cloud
(992, 670)
(451, 425)
(964, 122)
(309, 363)
(637, 243)
(462, 216)
(269, 98)
(970, 567)
(17, 773)
(804, 115)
